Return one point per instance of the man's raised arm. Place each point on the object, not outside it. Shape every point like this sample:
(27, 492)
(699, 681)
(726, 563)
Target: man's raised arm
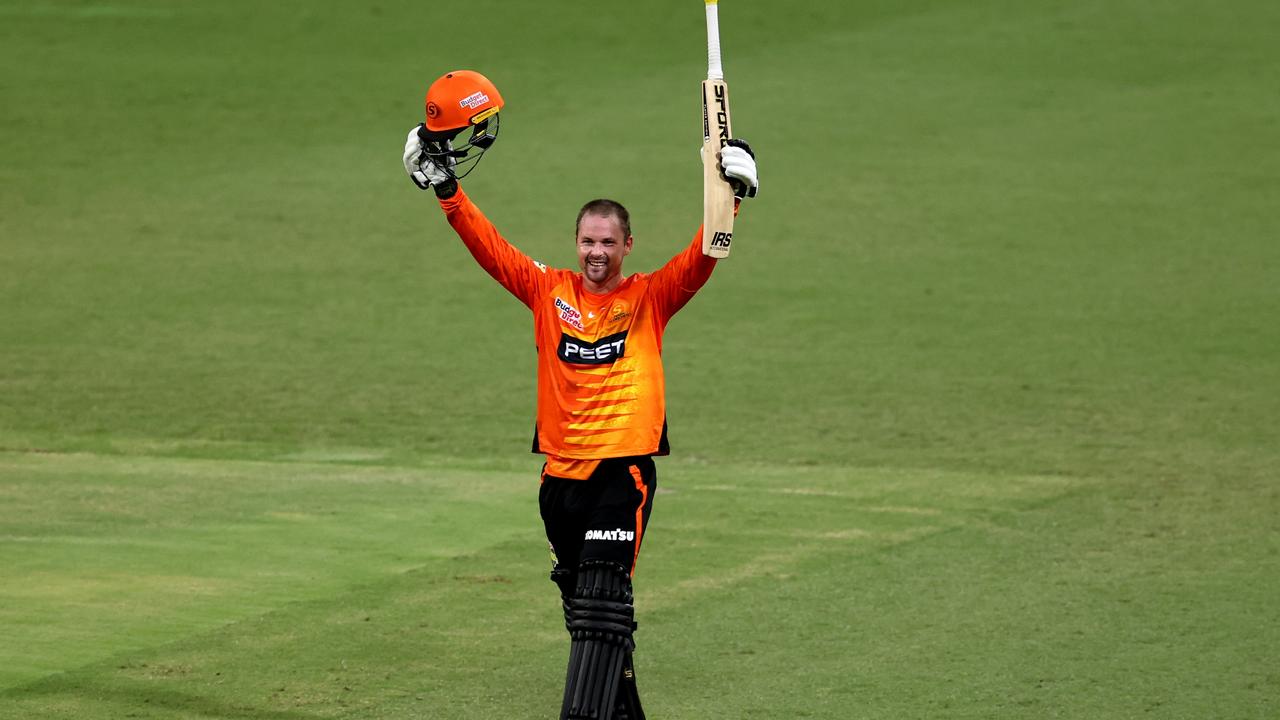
(675, 283)
(514, 270)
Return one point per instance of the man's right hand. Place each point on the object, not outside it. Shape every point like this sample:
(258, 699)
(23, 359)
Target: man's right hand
(423, 171)
(738, 165)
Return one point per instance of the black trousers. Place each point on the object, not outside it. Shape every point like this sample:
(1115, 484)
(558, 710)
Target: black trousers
(600, 518)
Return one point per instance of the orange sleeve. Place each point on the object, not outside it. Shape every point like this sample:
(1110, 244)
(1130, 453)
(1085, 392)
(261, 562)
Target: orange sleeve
(675, 283)
(514, 270)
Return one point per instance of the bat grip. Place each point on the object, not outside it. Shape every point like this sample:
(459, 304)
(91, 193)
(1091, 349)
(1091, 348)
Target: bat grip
(715, 71)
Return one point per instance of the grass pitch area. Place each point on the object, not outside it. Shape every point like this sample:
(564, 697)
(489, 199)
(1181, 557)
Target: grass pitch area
(978, 421)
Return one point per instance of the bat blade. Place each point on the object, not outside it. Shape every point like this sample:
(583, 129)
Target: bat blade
(717, 195)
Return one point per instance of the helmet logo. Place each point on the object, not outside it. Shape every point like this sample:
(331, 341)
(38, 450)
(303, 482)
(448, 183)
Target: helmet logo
(433, 110)
(474, 100)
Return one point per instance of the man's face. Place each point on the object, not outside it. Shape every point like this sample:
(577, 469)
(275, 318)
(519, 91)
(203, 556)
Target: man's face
(601, 247)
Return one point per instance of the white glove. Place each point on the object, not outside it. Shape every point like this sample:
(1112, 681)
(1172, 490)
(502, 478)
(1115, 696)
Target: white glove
(738, 163)
(422, 170)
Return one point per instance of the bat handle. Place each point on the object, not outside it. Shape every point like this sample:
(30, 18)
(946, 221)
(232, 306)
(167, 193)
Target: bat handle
(715, 70)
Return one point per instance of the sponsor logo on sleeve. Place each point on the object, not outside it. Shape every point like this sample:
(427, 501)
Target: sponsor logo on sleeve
(604, 351)
(569, 314)
(540, 266)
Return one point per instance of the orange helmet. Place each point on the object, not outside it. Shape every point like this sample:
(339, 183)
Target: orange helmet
(459, 99)
(454, 102)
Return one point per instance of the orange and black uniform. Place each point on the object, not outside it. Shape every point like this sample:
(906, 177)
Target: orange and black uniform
(601, 392)
(601, 417)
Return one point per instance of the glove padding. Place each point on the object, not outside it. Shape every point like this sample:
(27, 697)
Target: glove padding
(423, 171)
(738, 165)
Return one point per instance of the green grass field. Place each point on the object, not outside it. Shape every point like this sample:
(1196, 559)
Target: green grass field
(981, 419)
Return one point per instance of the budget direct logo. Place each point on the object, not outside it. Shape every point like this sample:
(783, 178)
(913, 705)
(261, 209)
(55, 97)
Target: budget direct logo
(569, 314)
(474, 100)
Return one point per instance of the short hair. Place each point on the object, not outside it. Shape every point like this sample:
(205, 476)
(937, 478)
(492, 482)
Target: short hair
(605, 208)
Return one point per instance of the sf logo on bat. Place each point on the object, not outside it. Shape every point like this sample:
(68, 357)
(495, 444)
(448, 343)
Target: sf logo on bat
(722, 117)
(721, 239)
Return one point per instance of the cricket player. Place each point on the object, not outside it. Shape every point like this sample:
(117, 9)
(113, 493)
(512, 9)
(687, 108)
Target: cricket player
(601, 402)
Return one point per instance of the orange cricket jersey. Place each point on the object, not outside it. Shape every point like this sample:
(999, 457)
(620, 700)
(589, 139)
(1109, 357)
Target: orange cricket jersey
(601, 391)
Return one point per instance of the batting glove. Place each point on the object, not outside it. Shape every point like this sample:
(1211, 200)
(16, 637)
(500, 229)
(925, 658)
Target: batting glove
(423, 171)
(738, 165)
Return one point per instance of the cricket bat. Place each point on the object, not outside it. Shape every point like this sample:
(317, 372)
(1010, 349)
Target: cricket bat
(717, 195)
